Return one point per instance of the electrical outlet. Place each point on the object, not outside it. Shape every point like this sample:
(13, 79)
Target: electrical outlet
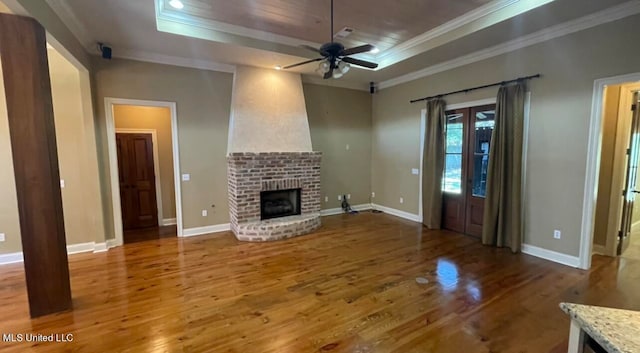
(62, 183)
(326, 199)
(339, 197)
(557, 234)
(2, 237)
(373, 194)
(348, 196)
(204, 213)
(186, 177)
(348, 147)
(402, 200)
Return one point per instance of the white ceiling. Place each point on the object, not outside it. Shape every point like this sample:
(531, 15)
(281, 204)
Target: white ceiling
(413, 35)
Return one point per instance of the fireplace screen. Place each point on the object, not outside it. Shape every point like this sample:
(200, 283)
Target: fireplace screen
(279, 203)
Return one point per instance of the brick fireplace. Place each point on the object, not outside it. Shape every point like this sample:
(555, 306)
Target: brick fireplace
(252, 174)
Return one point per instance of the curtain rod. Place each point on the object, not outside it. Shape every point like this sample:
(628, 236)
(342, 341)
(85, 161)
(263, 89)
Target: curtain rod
(475, 88)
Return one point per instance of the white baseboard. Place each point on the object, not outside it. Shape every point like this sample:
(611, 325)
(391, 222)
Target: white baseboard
(402, 214)
(169, 221)
(568, 260)
(11, 258)
(80, 248)
(71, 250)
(338, 210)
(190, 232)
(112, 243)
(599, 249)
(100, 247)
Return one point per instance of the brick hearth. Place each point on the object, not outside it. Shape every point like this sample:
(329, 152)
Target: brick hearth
(251, 173)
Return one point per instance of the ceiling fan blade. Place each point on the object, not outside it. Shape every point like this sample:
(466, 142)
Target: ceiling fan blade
(301, 63)
(360, 62)
(357, 50)
(315, 50)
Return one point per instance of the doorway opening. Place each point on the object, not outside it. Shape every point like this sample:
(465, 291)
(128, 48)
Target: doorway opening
(143, 158)
(616, 224)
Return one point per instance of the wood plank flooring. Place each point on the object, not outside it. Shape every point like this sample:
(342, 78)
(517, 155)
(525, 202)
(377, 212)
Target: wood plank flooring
(350, 287)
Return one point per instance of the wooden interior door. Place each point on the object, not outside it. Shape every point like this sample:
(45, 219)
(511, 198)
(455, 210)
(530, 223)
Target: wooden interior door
(453, 185)
(481, 123)
(629, 192)
(137, 181)
(468, 137)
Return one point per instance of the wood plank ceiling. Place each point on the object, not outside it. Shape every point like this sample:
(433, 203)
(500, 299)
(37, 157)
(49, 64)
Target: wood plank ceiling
(381, 23)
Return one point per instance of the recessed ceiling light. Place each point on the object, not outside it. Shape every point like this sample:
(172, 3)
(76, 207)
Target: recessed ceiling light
(278, 67)
(176, 4)
(375, 50)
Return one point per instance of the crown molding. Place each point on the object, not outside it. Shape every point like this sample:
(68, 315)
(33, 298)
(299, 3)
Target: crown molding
(437, 36)
(605, 16)
(157, 58)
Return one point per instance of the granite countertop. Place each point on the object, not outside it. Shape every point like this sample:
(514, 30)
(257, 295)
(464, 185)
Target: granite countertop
(616, 330)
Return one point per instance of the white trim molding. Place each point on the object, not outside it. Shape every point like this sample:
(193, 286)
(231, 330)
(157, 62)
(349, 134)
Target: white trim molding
(169, 222)
(338, 210)
(594, 146)
(550, 255)
(398, 213)
(156, 165)
(109, 102)
(71, 250)
(157, 58)
(470, 104)
(611, 14)
(190, 232)
(11, 258)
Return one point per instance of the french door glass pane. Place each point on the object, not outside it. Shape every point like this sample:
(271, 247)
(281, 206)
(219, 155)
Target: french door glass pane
(453, 173)
(484, 127)
(454, 133)
(479, 181)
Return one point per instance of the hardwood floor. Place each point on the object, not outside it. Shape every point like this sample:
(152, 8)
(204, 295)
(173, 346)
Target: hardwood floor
(137, 235)
(350, 287)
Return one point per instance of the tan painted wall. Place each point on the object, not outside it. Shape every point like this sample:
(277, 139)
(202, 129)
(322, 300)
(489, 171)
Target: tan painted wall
(76, 158)
(9, 220)
(337, 117)
(558, 132)
(159, 119)
(268, 112)
(609, 127)
(203, 100)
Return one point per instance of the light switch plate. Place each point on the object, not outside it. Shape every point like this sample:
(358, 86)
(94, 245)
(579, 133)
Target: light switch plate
(415, 171)
(186, 177)
(2, 237)
(402, 200)
(339, 197)
(326, 199)
(204, 213)
(373, 194)
(62, 183)
(348, 196)
(348, 147)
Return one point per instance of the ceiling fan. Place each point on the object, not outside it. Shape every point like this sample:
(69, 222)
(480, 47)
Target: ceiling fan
(335, 60)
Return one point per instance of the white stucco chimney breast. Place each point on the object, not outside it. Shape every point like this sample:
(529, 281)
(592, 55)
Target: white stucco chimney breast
(268, 112)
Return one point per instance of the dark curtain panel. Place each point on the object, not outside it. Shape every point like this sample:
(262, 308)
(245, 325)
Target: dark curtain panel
(433, 164)
(502, 221)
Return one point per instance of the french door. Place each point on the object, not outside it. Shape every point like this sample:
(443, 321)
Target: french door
(468, 138)
(631, 179)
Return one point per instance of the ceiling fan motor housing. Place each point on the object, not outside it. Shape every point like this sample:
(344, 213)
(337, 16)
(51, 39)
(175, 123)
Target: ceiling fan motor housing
(332, 49)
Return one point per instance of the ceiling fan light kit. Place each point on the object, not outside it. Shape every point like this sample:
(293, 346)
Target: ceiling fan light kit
(335, 60)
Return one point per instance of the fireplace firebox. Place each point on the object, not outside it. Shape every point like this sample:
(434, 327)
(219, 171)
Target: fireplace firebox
(279, 203)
